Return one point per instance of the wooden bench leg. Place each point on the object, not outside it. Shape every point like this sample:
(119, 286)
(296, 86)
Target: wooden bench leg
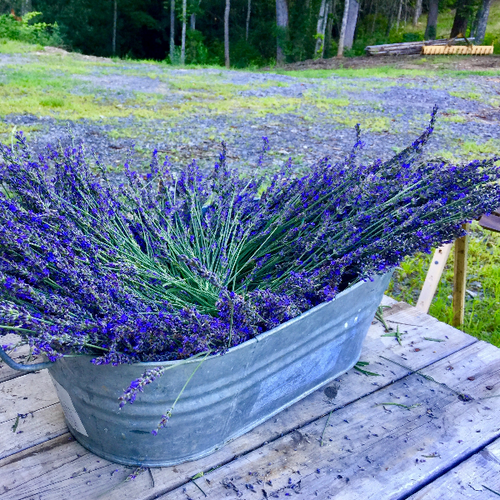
(433, 276)
(460, 278)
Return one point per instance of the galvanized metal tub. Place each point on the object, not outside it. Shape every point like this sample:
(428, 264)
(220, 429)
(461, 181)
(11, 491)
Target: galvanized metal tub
(228, 395)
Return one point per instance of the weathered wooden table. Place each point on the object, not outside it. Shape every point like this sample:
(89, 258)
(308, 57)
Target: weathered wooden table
(426, 427)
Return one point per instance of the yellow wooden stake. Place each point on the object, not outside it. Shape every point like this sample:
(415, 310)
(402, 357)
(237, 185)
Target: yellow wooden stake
(432, 278)
(460, 278)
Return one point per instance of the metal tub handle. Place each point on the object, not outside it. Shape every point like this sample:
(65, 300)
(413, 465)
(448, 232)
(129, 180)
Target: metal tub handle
(22, 368)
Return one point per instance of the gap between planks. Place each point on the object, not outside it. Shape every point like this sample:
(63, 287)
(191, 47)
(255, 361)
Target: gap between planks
(56, 466)
(473, 479)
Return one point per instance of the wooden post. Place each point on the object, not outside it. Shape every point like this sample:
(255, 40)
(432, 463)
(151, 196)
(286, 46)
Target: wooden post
(432, 278)
(460, 278)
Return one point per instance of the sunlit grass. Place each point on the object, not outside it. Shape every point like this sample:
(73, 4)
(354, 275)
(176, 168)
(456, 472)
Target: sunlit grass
(393, 72)
(472, 96)
(469, 150)
(15, 47)
(7, 131)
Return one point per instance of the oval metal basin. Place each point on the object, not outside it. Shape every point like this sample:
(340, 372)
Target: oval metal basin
(227, 396)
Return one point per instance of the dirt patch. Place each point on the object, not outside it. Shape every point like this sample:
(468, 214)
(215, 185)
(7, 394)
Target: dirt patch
(461, 63)
(58, 51)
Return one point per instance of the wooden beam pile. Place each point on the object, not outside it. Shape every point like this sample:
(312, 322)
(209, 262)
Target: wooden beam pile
(407, 48)
(470, 50)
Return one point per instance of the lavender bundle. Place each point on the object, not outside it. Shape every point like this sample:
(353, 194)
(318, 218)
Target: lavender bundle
(172, 265)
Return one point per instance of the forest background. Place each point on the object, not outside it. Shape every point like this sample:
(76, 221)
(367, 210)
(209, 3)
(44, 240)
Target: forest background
(249, 33)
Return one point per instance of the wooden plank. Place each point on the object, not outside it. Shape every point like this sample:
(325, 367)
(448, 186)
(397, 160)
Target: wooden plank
(409, 47)
(388, 301)
(29, 429)
(460, 278)
(433, 277)
(476, 50)
(374, 448)
(491, 222)
(20, 355)
(26, 394)
(59, 458)
(49, 477)
(475, 479)
(29, 412)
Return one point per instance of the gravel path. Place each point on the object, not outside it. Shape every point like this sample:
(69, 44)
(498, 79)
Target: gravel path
(303, 117)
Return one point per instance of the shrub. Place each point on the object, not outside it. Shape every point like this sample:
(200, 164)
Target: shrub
(196, 51)
(27, 31)
(493, 38)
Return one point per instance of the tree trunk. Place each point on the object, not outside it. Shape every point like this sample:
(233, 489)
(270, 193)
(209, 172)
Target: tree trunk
(430, 31)
(352, 19)
(375, 17)
(25, 7)
(183, 39)
(390, 21)
(398, 20)
(418, 12)
(462, 15)
(172, 27)
(320, 29)
(301, 43)
(113, 48)
(226, 33)
(249, 10)
(192, 20)
(282, 29)
(329, 28)
(482, 21)
(340, 51)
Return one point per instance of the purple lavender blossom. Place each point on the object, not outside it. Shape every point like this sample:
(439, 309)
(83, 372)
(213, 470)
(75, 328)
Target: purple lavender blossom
(173, 265)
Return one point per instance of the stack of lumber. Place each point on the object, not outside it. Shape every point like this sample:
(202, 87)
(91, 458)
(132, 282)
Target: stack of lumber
(471, 50)
(407, 48)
